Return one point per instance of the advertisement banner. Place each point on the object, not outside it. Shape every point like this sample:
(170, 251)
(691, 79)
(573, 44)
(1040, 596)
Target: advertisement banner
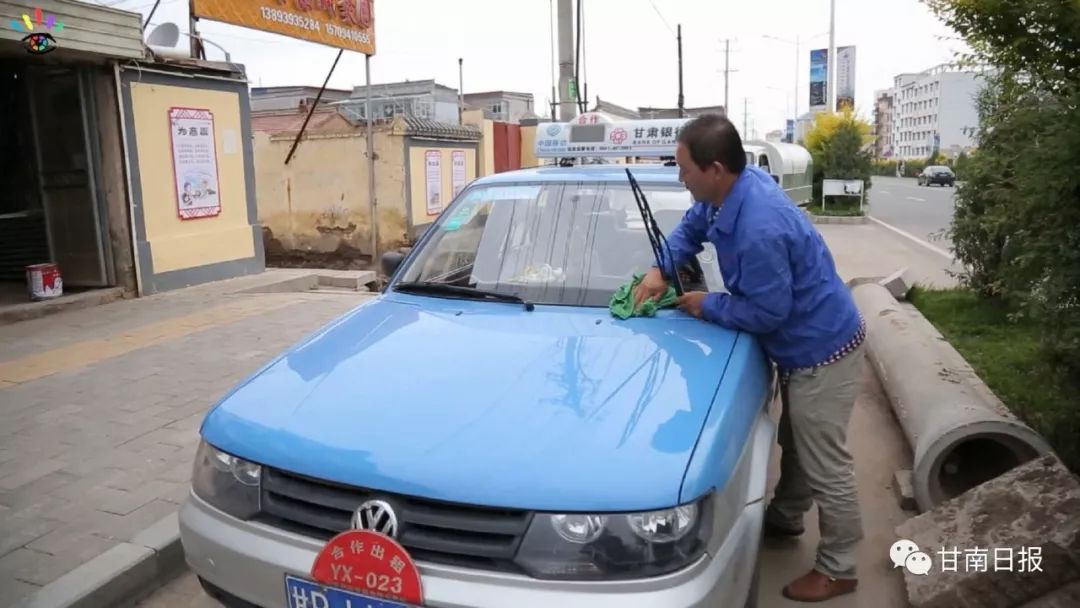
(457, 162)
(789, 131)
(343, 24)
(195, 173)
(433, 178)
(845, 77)
(819, 65)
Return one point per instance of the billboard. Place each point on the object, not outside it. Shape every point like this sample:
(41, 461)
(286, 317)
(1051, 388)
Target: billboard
(819, 78)
(819, 63)
(845, 77)
(343, 24)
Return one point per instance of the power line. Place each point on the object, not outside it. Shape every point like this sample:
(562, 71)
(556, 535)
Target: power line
(661, 15)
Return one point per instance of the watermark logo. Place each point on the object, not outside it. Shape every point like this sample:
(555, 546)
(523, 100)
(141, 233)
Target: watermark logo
(906, 554)
(38, 42)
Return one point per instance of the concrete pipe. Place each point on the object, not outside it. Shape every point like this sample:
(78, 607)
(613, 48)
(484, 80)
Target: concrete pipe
(960, 433)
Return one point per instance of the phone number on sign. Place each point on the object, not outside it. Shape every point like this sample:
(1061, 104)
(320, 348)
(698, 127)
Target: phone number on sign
(273, 14)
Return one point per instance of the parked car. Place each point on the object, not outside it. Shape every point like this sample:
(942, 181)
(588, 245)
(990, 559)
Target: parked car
(937, 174)
(488, 414)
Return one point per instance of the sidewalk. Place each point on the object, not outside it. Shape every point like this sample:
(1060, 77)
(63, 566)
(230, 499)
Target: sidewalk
(101, 409)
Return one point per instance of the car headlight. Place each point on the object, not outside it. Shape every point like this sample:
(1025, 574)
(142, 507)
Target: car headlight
(616, 545)
(226, 482)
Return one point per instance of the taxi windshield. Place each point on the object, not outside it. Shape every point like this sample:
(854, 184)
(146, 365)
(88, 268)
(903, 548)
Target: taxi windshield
(572, 243)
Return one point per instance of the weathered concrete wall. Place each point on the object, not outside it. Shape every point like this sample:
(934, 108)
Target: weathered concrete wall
(318, 203)
(113, 179)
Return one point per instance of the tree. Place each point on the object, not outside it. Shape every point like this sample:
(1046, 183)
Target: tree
(841, 147)
(1017, 220)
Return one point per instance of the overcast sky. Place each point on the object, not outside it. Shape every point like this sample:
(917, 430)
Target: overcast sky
(630, 48)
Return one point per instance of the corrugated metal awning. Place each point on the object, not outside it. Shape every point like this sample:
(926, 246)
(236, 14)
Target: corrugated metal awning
(77, 27)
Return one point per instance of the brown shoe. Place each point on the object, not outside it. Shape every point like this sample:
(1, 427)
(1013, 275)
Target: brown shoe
(817, 587)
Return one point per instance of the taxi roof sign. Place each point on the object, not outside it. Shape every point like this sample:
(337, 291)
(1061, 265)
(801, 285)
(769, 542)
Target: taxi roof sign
(607, 139)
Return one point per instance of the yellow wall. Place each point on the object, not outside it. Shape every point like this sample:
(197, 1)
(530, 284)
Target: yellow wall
(178, 244)
(418, 178)
(487, 139)
(319, 201)
(528, 148)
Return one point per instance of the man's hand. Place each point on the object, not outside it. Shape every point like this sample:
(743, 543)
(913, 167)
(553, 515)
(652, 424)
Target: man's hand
(693, 302)
(653, 285)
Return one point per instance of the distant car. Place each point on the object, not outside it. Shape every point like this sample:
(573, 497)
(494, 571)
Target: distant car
(937, 174)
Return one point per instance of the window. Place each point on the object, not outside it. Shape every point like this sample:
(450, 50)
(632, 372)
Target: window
(496, 108)
(565, 244)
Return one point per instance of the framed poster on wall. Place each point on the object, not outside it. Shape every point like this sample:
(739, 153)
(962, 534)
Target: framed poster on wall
(433, 177)
(195, 170)
(458, 164)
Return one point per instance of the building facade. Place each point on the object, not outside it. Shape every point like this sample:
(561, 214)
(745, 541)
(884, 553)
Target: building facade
(128, 171)
(424, 99)
(291, 98)
(934, 110)
(503, 106)
(884, 102)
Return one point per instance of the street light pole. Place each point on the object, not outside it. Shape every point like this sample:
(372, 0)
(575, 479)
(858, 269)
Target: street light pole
(832, 57)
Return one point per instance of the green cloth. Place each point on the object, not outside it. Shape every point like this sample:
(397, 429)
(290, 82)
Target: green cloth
(622, 301)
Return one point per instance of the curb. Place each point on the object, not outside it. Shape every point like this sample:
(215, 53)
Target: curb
(120, 576)
(838, 219)
(74, 301)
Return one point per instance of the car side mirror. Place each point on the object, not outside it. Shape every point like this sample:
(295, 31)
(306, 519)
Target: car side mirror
(391, 260)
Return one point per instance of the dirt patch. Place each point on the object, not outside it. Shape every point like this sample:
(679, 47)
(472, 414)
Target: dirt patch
(345, 257)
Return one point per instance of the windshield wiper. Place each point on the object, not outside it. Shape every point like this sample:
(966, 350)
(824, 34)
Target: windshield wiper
(459, 290)
(652, 229)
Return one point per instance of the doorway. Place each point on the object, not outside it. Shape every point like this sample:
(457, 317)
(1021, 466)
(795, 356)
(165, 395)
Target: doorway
(50, 201)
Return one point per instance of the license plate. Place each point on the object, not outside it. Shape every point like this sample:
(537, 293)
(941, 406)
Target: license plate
(306, 594)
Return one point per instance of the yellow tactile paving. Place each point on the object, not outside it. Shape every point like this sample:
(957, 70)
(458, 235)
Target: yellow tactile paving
(89, 352)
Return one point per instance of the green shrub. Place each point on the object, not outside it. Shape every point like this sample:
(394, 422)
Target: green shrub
(1017, 219)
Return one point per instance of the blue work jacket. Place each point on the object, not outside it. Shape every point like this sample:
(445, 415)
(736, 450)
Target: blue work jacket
(782, 280)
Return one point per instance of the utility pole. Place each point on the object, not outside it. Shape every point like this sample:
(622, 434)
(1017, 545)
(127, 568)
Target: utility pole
(567, 86)
(682, 104)
(745, 113)
(832, 57)
(461, 89)
(727, 73)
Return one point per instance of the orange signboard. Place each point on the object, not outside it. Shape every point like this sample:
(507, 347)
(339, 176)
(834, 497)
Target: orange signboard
(346, 24)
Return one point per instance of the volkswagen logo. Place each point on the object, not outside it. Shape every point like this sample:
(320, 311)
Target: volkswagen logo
(377, 516)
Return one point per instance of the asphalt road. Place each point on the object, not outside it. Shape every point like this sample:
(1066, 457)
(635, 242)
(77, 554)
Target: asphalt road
(924, 212)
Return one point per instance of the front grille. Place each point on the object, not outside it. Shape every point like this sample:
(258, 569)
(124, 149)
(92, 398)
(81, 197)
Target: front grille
(432, 531)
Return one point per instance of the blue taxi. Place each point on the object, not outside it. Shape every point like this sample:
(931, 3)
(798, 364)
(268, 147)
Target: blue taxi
(488, 414)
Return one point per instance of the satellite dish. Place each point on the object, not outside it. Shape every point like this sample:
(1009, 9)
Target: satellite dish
(164, 35)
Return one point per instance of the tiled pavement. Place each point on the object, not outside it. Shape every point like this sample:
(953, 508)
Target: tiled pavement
(100, 408)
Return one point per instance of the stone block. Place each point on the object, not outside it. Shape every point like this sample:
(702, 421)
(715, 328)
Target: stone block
(1065, 597)
(904, 490)
(1025, 521)
(897, 284)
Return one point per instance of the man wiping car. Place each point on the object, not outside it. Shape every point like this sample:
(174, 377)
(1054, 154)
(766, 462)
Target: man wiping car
(784, 289)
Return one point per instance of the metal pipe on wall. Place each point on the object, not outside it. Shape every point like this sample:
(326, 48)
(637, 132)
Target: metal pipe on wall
(374, 230)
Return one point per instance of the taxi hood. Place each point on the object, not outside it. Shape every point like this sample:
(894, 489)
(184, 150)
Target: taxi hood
(486, 403)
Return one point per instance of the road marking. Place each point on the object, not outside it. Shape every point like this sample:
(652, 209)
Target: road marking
(912, 198)
(912, 237)
(90, 352)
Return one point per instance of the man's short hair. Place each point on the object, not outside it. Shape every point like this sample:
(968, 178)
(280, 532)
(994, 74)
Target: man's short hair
(712, 138)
